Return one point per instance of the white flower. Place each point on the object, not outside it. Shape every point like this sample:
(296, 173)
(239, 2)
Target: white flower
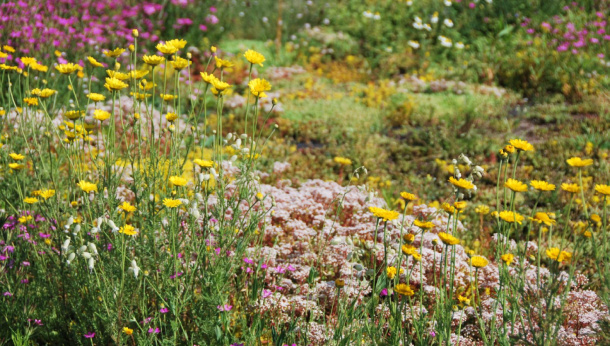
(459, 45)
(414, 44)
(377, 16)
(65, 245)
(70, 258)
(445, 42)
(427, 27)
(69, 223)
(418, 25)
(97, 226)
(81, 249)
(113, 226)
(409, 3)
(417, 19)
(434, 18)
(133, 268)
(90, 263)
(448, 22)
(92, 248)
(447, 2)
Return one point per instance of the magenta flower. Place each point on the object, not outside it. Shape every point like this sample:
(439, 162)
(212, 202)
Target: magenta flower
(8, 294)
(164, 310)
(155, 330)
(225, 307)
(36, 322)
(280, 270)
(184, 21)
(247, 260)
(267, 293)
(90, 335)
(212, 19)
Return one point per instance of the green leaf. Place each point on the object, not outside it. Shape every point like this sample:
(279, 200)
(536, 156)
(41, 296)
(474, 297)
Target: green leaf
(506, 31)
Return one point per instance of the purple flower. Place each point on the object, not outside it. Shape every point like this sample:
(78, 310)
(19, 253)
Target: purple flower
(225, 307)
(384, 292)
(150, 8)
(579, 44)
(247, 260)
(146, 320)
(155, 330)
(90, 335)
(432, 333)
(267, 293)
(530, 31)
(184, 21)
(212, 19)
(164, 310)
(25, 263)
(203, 27)
(8, 294)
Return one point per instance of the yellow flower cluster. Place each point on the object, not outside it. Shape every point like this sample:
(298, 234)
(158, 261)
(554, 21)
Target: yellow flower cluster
(383, 214)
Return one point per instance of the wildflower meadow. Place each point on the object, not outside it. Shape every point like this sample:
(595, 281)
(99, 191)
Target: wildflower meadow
(295, 173)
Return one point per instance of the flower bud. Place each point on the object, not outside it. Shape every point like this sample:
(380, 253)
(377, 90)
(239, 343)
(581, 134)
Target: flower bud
(92, 248)
(65, 245)
(135, 33)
